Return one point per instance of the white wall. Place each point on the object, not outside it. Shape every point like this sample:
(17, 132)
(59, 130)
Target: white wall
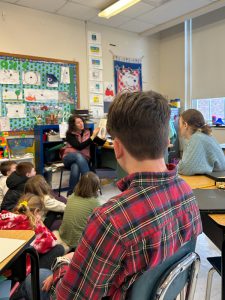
(29, 32)
(209, 55)
(172, 63)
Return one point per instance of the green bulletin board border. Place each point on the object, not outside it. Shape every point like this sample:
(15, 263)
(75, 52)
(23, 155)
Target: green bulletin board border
(42, 65)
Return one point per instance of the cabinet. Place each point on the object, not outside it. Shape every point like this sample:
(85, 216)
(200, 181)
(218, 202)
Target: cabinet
(46, 152)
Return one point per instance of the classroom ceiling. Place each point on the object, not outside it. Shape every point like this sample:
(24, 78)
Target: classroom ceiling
(145, 17)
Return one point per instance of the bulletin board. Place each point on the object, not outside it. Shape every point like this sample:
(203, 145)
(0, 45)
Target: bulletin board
(33, 88)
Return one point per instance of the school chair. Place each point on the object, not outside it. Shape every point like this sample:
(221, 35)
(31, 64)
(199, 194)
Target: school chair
(216, 267)
(176, 275)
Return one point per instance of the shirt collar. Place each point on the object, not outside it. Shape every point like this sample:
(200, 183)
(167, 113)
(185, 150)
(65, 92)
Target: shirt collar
(148, 178)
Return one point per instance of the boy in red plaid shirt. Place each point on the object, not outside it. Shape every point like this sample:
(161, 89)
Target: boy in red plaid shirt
(151, 219)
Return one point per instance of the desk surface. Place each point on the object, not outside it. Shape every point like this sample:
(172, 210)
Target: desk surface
(199, 181)
(26, 235)
(218, 218)
(108, 146)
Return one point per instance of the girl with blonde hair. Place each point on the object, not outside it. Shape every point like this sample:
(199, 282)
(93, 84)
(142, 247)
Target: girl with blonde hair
(53, 208)
(27, 216)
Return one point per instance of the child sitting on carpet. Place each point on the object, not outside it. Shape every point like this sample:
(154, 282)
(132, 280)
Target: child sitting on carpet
(53, 208)
(27, 216)
(78, 208)
(6, 168)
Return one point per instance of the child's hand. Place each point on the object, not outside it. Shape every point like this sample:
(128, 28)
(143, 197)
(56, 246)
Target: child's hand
(47, 283)
(69, 255)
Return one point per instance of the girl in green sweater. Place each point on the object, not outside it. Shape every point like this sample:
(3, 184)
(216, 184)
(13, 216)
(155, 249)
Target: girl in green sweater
(78, 208)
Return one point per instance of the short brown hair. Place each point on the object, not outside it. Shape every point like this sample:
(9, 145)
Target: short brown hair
(88, 185)
(23, 168)
(141, 121)
(27, 204)
(6, 166)
(194, 118)
(37, 185)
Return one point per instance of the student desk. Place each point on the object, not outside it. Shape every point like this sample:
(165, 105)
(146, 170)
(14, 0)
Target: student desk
(20, 256)
(214, 228)
(199, 181)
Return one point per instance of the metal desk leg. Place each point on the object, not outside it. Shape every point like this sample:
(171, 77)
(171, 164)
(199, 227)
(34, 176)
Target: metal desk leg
(34, 272)
(223, 270)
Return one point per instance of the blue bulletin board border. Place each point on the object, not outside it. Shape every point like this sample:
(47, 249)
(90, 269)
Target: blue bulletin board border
(42, 66)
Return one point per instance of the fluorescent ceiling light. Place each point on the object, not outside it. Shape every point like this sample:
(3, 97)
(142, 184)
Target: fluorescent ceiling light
(116, 8)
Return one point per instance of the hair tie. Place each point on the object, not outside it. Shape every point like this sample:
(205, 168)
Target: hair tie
(23, 203)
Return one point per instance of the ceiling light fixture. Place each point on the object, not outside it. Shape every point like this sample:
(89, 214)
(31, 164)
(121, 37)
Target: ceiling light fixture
(116, 8)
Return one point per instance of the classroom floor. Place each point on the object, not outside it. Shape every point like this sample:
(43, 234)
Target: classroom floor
(204, 248)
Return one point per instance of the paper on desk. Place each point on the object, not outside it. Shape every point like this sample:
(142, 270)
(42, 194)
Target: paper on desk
(8, 246)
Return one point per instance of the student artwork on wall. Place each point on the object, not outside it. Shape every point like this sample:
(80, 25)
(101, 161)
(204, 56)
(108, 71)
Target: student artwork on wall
(52, 80)
(127, 74)
(28, 81)
(95, 71)
(97, 111)
(95, 74)
(96, 87)
(94, 37)
(32, 95)
(4, 124)
(9, 77)
(109, 93)
(96, 99)
(95, 62)
(11, 95)
(16, 111)
(95, 50)
(65, 75)
(31, 77)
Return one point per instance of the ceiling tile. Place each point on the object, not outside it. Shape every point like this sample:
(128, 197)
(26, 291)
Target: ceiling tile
(99, 4)
(137, 10)
(77, 11)
(171, 10)
(45, 5)
(115, 21)
(136, 26)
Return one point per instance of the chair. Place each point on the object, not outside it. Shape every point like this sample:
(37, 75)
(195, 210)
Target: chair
(217, 263)
(168, 280)
(216, 266)
(62, 169)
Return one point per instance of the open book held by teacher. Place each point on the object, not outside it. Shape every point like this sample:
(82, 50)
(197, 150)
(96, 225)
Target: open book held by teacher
(102, 131)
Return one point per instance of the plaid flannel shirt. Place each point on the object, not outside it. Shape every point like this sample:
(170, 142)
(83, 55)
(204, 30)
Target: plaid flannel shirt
(149, 221)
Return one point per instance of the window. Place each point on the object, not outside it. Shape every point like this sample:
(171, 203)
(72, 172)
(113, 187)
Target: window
(209, 107)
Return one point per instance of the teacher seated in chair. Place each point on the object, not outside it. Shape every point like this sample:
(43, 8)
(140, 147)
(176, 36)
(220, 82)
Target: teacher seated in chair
(76, 153)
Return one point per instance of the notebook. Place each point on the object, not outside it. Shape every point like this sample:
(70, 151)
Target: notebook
(210, 201)
(8, 246)
(217, 176)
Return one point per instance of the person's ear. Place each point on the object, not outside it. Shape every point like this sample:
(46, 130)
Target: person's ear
(36, 212)
(168, 142)
(118, 148)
